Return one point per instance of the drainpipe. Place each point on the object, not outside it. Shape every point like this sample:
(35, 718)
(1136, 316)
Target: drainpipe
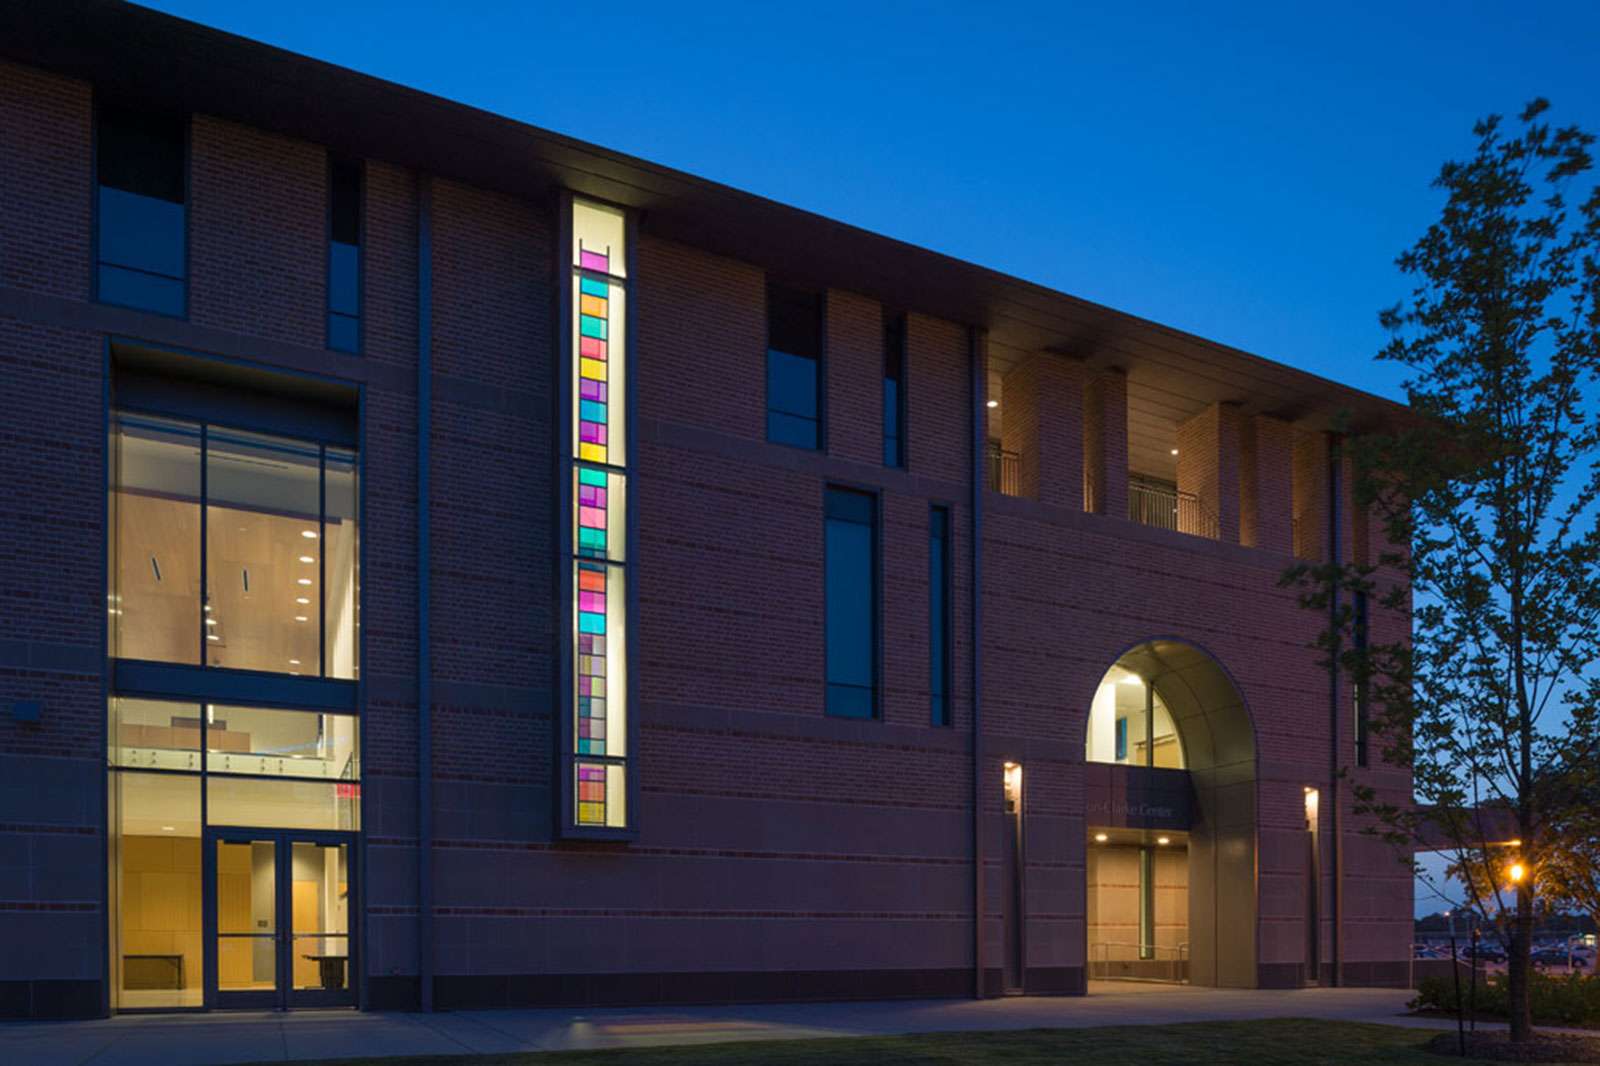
(977, 344)
(424, 592)
(1335, 556)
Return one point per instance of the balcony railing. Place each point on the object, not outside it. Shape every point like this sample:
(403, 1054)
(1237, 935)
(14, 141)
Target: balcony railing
(1160, 504)
(1004, 470)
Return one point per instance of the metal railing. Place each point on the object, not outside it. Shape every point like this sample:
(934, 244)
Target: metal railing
(1004, 470)
(1160, 504)
(1138, 962)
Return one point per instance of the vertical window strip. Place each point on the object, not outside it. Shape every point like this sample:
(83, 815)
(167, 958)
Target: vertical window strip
(598, 752)
(1360, 689)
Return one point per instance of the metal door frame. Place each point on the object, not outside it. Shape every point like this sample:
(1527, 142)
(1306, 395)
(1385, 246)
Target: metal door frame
(284, 995)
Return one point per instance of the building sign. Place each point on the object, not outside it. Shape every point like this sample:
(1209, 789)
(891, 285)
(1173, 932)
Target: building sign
(1136, 797)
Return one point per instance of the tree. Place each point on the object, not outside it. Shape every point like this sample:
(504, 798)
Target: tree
(1492, 490)
(1570, 871)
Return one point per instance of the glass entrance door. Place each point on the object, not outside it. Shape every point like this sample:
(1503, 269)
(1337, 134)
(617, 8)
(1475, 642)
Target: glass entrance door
(278, 916)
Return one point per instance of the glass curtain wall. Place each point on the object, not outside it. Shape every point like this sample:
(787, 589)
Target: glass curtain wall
(179, 767)
(1130, 725)
(233, 549)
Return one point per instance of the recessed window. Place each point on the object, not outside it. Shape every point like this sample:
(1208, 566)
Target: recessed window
(233, 549)
(939, 614)
(794, 358)
(140, 256)
(851, 616)
(894, 390)
(1129, 724)
(344, 255)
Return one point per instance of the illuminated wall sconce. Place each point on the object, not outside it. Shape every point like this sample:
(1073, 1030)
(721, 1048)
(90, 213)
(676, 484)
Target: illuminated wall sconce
(1013, 787)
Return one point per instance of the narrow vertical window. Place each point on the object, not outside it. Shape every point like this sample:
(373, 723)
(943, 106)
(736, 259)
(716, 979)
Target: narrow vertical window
(1360, 688)
(894, 390)
(939, 614)
(344, 255)
(851, 613)
(140, 217)
(794, 356)
(597, 746)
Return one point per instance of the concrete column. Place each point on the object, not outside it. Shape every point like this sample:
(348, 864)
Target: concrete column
(1266, 476)
(1208, 467)
(1105, 443)
(1042, 421)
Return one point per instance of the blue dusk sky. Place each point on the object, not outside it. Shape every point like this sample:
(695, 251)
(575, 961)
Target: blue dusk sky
(1247, 171)
(1243, 171)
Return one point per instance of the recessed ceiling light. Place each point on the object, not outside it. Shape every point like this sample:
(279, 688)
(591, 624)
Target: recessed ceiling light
(308, 558)
(300, 618)
(294, 662)
(212, 636)
(169, 829)
(309, 534)
(1163, 840)
(211, 621)
(1174, 451)
(301, 599)
(305, 580)
(208, 608)
(994, 403)
(1100, 838)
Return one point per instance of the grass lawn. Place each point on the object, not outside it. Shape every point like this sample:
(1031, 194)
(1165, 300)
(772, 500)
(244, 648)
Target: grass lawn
(1278, 1042)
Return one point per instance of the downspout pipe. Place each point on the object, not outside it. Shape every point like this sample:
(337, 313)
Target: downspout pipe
(1335, 704)
(424, 592)
(978, 387)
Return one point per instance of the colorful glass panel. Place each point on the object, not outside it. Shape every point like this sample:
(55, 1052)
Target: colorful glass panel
(599, 508)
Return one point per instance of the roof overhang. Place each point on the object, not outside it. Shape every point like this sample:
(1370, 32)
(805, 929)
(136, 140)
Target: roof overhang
(156, 60)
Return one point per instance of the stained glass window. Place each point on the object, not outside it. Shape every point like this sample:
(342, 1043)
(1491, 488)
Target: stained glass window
(598, 752)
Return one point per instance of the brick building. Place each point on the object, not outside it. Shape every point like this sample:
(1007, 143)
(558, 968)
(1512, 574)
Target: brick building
(531, 575)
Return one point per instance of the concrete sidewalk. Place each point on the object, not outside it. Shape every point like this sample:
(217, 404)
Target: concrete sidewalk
(181, 1040)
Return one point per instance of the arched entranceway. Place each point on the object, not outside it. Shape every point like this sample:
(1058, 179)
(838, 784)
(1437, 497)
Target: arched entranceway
(1170, 805)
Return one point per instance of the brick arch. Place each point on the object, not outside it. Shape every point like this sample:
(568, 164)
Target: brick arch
(1218, 735)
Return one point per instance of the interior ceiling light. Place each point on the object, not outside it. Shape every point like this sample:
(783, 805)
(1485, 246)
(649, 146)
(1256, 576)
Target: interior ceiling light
(309, 534)
(300, 618)
(305, 581)
(294, 662)
(1174, 451)
(301, 599)
(994, 403)
(1100, 838)
(213, 636)
(1163, 840)
(307, 559)
(211, 621)
(169, 829)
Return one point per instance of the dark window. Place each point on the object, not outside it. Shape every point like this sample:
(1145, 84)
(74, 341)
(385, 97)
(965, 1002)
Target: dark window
(939, 613)
(140, 259)
(894, 390)
(794, 356)
(850, 566)
(344, 255)
(1361, 693)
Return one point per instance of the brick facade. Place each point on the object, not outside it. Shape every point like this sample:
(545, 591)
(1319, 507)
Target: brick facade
(780, 853)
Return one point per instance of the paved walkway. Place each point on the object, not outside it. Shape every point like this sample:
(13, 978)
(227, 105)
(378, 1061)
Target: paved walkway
(182, 1040)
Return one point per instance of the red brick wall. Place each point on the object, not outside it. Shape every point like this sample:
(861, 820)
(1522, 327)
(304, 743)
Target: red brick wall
(45, 169)
(258, 235)
(771, 837)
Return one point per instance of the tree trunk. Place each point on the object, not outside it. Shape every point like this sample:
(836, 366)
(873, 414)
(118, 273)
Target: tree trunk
(1519, 967)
